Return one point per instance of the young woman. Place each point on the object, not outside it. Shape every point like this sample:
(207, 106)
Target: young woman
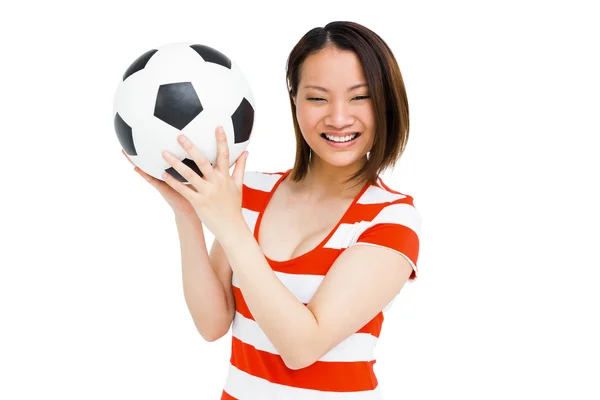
(305, 261)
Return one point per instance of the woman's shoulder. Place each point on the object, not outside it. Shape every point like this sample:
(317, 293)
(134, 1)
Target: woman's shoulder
(384, 204)
(383, 194)
(388, 218)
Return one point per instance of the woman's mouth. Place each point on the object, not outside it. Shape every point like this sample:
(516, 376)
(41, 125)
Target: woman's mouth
(341, 141)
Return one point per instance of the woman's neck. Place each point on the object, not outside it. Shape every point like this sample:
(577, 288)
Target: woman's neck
(324, 181)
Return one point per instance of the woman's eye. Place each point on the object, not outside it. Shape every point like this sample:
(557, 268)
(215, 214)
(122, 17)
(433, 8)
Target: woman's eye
(321, 99)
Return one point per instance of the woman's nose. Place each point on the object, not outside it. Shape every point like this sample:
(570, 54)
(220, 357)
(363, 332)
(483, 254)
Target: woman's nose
(339, 115)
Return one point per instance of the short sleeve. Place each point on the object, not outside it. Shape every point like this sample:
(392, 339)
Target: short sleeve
(396, 227)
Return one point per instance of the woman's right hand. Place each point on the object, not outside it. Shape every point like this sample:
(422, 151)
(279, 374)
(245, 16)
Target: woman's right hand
(179, 204)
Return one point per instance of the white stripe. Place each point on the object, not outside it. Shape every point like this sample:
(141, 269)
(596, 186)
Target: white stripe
(376, 195)
(356, 347)
(346, 234)
(260, 181)
(244, 386)
(402, 214)
(251, 217)
(303, 286)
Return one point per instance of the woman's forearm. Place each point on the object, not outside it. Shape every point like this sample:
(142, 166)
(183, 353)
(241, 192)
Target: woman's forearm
(282, 317)
(203, 291)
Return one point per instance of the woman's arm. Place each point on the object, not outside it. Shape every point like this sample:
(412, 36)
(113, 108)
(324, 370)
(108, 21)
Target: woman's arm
(361, 282)
(206, 280)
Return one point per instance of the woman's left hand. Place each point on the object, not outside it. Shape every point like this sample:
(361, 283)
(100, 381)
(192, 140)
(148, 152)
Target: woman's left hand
(218, 196)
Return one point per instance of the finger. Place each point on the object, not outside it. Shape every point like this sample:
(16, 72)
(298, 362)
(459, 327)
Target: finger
(222, 151)
(238, 171)
(203, 164)
(152, 180)
(189, 174)
(178, 186)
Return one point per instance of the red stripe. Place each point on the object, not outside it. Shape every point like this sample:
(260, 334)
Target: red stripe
(366, 212)
(240, 304)
(363, 212)
(373, 327)
(316, 262)
(253, 199)
(393, 236)
(227, 396)
(322, 375)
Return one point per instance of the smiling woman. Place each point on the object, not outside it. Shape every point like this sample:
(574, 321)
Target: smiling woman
(342, 78)
(333, 243)
(331, 113)
(306, 261)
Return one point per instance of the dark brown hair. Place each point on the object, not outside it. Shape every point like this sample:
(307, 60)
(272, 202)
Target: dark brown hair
(386, 89)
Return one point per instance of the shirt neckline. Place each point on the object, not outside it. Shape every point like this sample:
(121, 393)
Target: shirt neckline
(301, 257)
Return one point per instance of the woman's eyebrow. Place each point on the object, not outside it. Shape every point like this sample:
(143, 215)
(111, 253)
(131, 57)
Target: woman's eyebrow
(351, 88)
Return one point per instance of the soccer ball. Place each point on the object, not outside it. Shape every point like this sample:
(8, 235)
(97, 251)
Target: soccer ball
(181, 88)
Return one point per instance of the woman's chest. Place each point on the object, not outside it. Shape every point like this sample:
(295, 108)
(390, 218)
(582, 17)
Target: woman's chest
(286, 232)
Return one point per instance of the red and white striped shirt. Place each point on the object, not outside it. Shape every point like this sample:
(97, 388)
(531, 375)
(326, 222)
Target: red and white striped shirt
(378, 216)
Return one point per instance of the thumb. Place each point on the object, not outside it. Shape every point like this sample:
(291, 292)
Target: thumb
(238, 172)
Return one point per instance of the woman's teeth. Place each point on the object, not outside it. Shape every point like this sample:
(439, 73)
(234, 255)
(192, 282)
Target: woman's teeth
(340, 139)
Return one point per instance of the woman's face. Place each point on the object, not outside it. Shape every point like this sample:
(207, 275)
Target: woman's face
(333, 107)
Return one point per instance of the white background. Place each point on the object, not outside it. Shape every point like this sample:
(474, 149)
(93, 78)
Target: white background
(501, 161)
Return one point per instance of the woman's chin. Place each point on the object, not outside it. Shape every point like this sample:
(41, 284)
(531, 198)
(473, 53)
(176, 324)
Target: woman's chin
(341, 160)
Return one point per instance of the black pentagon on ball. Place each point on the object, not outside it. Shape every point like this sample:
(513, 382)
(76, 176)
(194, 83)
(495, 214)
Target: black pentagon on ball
(177, 104)
(190, 163)
(125, 135)
(242, 119)
(139, 64)
(209, 54)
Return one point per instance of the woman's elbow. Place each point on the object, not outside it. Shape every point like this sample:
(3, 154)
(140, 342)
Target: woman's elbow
(214, 331)
(298, 361)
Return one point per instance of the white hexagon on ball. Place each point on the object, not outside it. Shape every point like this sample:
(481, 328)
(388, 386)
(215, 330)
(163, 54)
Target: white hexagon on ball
(181, 88)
